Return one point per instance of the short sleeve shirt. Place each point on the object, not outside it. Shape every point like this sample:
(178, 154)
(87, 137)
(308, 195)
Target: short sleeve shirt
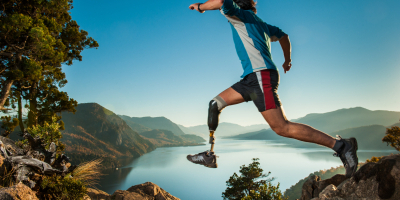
(252, 37)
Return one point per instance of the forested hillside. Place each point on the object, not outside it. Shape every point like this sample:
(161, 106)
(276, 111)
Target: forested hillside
(94, 130)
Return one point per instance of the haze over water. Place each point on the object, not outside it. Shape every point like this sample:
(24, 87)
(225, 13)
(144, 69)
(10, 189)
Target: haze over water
(169, 169)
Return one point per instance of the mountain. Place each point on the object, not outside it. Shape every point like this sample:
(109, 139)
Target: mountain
(162, 138)
(349, 118)
(94, 130)
(227, 129)
(152, 123)
(369, 127)
(190, 132)
(368, 137)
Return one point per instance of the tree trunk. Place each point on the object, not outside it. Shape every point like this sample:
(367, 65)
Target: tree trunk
(21, 124)
(32, 114)
(5, 92)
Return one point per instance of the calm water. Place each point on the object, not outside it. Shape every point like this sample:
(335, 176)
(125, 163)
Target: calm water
(168, 167)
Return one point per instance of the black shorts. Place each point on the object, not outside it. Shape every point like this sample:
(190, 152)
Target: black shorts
(260, 87)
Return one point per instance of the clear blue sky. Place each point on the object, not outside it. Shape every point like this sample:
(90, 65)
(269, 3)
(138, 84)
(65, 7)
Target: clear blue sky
(158, 58)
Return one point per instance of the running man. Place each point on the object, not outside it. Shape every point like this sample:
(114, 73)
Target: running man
(260, 80)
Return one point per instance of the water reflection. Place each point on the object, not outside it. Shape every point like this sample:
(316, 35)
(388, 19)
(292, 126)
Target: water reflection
(168, 167)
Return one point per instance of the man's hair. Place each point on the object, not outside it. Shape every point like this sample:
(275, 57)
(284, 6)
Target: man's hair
(247, 5)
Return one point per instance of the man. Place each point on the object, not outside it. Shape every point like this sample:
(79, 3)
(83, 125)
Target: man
(260, 80)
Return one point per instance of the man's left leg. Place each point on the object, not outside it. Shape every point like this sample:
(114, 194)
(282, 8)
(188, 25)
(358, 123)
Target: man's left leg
(346, 149)
(277, 121)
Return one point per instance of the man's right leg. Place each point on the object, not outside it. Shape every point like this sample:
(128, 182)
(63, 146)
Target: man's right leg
(225, 98)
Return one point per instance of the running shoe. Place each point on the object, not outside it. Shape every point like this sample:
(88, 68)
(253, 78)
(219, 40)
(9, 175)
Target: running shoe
(348, 155)
(206, 158)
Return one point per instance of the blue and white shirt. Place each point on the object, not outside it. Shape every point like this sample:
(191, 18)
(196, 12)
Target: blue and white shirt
(252, 37)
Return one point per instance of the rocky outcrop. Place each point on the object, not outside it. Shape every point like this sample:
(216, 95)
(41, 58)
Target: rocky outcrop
(97, 194)
(379, 180)
(17, 192)
(145, 191)
(314, 185)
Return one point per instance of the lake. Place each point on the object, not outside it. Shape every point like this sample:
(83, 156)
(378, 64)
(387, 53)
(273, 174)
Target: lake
(168, 167)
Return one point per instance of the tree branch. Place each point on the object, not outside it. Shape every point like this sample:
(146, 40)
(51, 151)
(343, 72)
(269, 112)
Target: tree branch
(6, 54)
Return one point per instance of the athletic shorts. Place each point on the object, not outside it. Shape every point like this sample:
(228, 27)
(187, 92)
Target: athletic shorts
(260, 87)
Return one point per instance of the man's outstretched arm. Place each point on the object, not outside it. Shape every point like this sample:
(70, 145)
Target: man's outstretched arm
(209, 5)
(287, 52)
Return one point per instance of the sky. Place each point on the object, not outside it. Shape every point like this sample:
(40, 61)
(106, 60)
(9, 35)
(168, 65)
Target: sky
(158, 58)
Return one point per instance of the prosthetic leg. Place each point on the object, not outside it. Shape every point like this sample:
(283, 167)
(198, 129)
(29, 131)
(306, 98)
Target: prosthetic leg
(214, 110)
(212, 140)
(208, 158)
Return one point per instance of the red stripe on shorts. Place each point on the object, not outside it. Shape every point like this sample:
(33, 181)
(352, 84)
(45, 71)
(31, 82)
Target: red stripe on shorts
(267, 88)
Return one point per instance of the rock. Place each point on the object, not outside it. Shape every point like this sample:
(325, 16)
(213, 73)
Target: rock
(97, 194)
(17, 192)
(152, 190)
(145, 191)
(126, 195)
(307, 191)
(328, 191)
(10, 146)
(379, 180)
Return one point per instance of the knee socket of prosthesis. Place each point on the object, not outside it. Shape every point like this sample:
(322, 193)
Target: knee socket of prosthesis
(214, 109)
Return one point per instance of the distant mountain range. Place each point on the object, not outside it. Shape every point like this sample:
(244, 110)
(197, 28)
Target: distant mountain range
(142, 124)
(367, 126)
(225, 129)
(93, 131)
(161, 131)
(165, 138)
(349, 118)
(97, 132)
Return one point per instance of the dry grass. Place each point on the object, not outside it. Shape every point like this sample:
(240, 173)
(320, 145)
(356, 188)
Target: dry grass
(88, 172)
(6, 180)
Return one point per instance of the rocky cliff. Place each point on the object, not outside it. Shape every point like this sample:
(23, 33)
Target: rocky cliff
(379, 180)
(145, 191)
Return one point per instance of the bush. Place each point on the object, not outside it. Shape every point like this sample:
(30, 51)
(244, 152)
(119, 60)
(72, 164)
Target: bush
(245, 186)
(392, 137)
(48, 133)
(374, 159)
(57, 187)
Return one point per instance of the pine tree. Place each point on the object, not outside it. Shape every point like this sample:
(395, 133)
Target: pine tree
(246, 186)
(38, 37)
(392, 137)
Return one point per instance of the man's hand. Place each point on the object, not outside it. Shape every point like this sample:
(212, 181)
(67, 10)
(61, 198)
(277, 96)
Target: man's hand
(287, 52)
(195, 6)
(287, 65)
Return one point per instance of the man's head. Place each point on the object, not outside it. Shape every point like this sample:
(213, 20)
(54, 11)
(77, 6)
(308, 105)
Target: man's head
(246, 5)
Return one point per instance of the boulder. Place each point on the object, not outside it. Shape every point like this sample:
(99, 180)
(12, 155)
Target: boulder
(126, 195)
(379, 180)
(97, 194)
(145, 191)
(153, 191)
(17, 192)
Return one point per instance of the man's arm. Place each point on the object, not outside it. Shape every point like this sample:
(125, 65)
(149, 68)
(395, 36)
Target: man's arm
(209, 5)
(287, 52)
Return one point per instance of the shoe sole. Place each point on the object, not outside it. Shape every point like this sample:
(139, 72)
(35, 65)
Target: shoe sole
(205, 165)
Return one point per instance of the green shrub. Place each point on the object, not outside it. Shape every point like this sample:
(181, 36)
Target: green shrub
(392, 137)
(245, 186)
(57, 187)
(265, 192)
(49, 132)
